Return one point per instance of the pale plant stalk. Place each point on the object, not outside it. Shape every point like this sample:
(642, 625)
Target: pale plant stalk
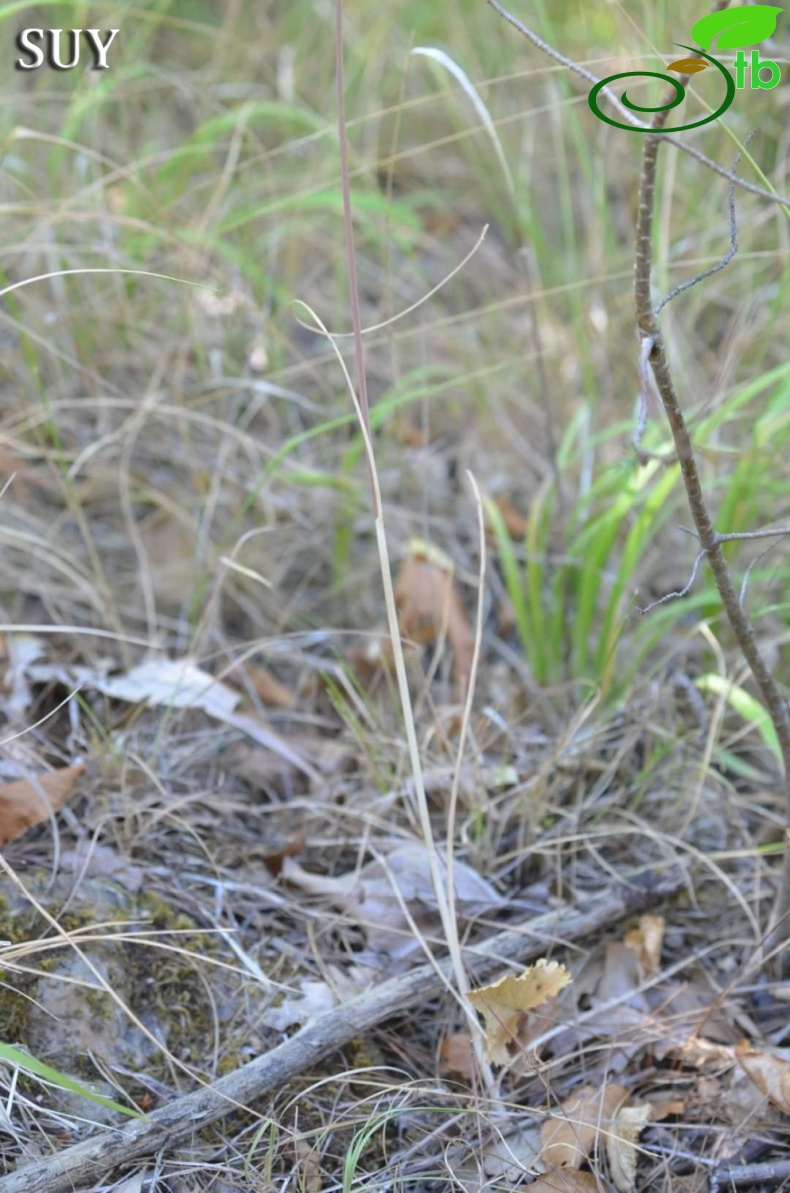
(449, 925)
(421, 800)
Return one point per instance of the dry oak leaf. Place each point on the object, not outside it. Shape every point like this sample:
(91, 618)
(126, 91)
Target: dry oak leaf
(565, 1180)
(568, 1138)
(429, 607)
(384, 894)
(504, 1003)
(26, 802)
(179, 683)
(273, 693)
(508, 1157)
(622, 1139)
(515, 523)
(308, 1167)
(646, 940)
(456, 1054)
(769, 1070)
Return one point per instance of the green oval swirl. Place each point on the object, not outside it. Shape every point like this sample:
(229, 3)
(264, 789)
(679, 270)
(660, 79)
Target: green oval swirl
(680, 94)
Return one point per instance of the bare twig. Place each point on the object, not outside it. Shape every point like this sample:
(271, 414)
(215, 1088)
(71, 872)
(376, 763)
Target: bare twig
(174, 1125)
(681, 592)
(728, 256)
(736, 536)
(710, 541)
(578, 69)
(739, 535)
(755, 1175)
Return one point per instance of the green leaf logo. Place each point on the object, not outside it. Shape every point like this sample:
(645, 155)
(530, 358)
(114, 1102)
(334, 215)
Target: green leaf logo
(736, 28)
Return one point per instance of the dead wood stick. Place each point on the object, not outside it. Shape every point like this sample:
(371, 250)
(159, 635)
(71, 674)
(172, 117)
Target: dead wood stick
(770, 1173)
(173, 1125)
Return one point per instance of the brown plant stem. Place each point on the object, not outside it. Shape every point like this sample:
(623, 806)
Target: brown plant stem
(710, 541)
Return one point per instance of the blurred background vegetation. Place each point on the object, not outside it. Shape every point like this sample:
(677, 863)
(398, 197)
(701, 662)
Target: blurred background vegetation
(173, 418)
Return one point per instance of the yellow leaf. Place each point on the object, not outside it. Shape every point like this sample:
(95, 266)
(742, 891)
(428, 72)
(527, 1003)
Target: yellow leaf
(646, 940)
(504, 1003)
(688, 66)
(621, 1144)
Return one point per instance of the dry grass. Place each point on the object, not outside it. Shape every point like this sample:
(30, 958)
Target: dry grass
(189, 480)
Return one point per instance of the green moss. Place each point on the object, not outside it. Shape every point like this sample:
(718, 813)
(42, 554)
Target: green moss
(170, 987)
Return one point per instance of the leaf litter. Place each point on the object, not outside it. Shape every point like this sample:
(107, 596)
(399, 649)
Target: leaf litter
(161, 682)
(31, 801)
(430, 608)
(393, 892)
(504, 1004)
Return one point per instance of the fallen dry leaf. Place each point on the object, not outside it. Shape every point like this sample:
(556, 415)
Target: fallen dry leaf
(645, 940)
(621, 1144)
(262, 767)
(769, 1070)
(663, 1108)
(170, 683)
(19, 652)
(412, 436)
(178, 683)
(168, 541)
(318, 997)
(379, 896)
(308, 1167)
(429, 607)
(26, 802)
(456, 1054)
(504, 1004)
(274, 861)
(273, 693)
(620, 978)
(371, 659)
(565, 1180)
(515, 523)
(508, 1157)
(569, 1138)
(91, 860)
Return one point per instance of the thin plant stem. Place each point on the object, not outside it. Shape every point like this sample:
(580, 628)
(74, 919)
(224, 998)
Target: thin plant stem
(361, 405)
(710, 542)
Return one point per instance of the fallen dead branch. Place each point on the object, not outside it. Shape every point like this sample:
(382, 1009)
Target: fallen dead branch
(173, 1125)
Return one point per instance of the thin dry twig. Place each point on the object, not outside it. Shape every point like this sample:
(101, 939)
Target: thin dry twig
(361, 406)
(174, 1125)
(710, 541)
(754, 1175)
(578, 69)
(731, 251)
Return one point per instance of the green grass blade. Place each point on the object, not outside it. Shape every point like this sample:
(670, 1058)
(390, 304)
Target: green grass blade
(22, 1060)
